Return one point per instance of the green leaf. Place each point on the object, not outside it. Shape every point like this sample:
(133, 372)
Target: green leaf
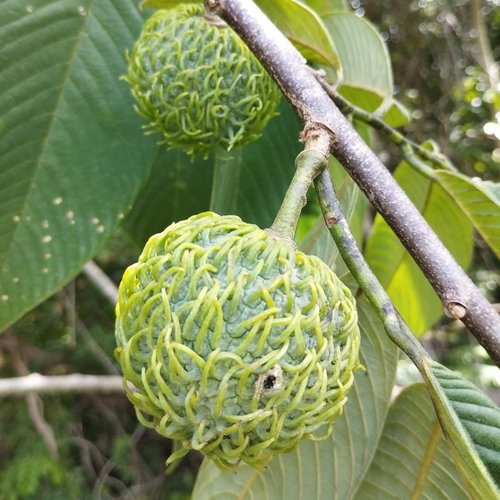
(367, 81)
(479, 415)
(304, 28)
(397, 115)
(406, 285)
(361, 97)
(479, 201)
(367, 78)
(441, 382)
(333, 468)
(413, 459)
(179, 188)
(164, 4)
(72, 156)
(324, 7)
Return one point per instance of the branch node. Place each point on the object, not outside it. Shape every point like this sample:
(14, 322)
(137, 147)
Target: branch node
(317, 137)
(454, 309)
(330, 222)
(213, 6)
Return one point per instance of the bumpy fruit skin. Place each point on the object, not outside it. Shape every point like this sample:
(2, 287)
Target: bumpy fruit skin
(237, 344)
(198, 84)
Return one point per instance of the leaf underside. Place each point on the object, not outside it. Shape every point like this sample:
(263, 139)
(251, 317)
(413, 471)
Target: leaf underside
(413, 459)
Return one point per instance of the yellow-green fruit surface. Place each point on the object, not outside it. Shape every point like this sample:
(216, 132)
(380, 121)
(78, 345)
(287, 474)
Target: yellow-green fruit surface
(198, 84)
(236, 344)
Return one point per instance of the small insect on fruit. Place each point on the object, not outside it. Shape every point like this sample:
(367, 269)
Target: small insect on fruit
(233, 342)
(198, 84)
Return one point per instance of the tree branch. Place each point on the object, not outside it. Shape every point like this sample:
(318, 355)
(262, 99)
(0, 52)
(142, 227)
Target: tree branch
(74, 383)
(284, 63)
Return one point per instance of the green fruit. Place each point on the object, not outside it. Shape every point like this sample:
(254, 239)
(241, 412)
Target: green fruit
(198, 84)
(236, 343)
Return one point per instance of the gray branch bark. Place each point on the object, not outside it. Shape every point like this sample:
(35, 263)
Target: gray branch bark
(460, 297)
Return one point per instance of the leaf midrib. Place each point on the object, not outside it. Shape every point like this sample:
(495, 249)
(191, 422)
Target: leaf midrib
(428, 457)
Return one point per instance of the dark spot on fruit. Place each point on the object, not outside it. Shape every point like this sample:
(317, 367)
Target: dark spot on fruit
(269, 382)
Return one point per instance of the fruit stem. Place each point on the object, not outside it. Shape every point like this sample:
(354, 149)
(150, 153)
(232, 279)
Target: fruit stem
(227, 168)
(309, 163)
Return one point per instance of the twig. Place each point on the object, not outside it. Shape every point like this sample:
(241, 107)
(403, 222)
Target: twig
(317, 110)
(396, 328)
(85, 456)
(105, 477)
(92, 457)
(82, 331)
(147, 489)
(101, 281)
(57, 384)
(404, 144)
(35, 410)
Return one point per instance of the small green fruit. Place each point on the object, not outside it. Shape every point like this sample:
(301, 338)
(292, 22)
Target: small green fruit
(236, 343)
(198, 84)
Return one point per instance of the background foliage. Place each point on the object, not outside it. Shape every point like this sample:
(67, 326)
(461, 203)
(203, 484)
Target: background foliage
(79, 180)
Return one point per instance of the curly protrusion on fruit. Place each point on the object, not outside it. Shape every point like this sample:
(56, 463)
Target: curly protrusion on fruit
(198, 84)
(238, 344)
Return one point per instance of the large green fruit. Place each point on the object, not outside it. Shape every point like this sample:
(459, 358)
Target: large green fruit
(198, 84)
(235, 343)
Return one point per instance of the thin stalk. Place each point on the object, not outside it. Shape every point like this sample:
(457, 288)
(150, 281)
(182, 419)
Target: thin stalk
(309, 163)
(396, 328)
(225, 183)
